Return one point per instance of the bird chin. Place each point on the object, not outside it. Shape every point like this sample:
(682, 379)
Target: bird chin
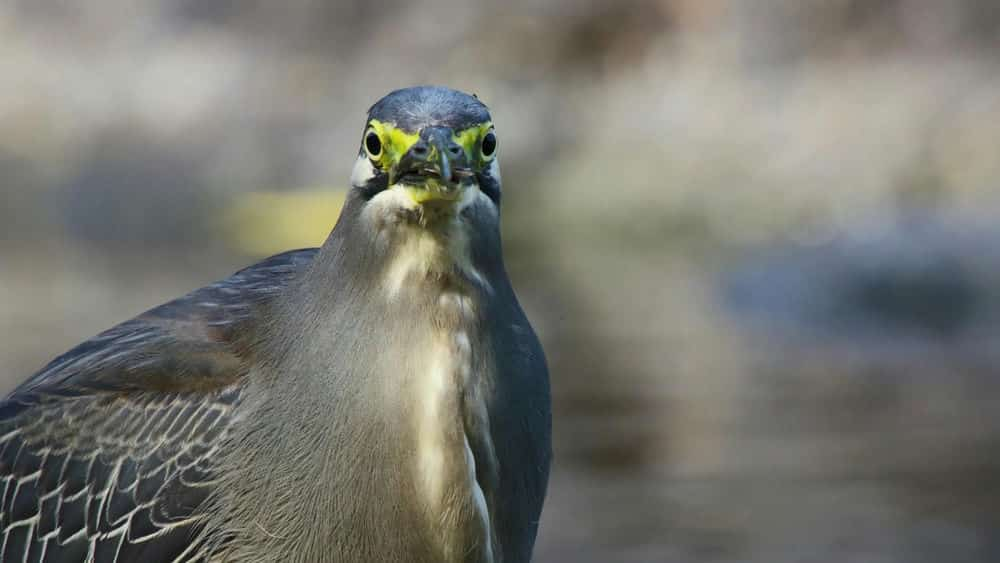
(427, 205)
(432, 191)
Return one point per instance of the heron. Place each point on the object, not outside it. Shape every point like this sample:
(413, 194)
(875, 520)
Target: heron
(382, 398)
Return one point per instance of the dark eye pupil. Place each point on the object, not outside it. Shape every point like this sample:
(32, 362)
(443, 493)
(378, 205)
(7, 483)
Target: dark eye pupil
(373, 144)
(489, 144)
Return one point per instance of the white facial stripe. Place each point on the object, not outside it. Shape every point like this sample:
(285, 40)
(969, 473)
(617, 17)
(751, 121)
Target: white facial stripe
(363, 171)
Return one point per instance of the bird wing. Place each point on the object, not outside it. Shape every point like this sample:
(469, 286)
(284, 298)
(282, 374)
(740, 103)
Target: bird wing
(107, 452)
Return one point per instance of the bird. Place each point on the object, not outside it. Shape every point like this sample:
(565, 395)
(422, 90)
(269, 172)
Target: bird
(381, 398)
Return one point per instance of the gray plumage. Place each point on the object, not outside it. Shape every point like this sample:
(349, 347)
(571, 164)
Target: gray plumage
(382, 398)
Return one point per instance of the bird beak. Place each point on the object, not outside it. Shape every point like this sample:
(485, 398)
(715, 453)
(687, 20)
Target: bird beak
(433, 169)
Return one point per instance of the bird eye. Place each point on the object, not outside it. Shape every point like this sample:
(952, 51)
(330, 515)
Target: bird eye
(489, 144)
(373, 145)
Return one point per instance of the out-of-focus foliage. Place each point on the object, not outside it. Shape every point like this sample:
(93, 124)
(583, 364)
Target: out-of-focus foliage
(266, 223)
(757, 238)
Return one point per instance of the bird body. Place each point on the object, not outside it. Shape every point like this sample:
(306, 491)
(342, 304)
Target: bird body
(382, 398)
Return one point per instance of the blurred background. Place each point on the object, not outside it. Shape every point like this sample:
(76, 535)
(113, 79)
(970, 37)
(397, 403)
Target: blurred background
(760, 240)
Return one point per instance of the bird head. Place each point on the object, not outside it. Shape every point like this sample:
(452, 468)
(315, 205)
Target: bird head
(429, 150)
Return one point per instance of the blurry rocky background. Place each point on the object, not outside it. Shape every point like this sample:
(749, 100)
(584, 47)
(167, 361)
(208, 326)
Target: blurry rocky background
(760, 240)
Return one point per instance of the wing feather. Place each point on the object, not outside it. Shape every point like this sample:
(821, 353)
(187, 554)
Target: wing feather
(107, 453)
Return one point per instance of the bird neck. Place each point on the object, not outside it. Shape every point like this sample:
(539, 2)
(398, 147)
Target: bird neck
(382, 360)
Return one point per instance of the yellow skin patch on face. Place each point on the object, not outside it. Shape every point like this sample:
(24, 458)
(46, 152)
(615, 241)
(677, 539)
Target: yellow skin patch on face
(397, 142)
(470, 138)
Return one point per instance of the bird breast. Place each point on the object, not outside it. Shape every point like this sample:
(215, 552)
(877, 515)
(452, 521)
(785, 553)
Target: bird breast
(450, 416)
(449, 374)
